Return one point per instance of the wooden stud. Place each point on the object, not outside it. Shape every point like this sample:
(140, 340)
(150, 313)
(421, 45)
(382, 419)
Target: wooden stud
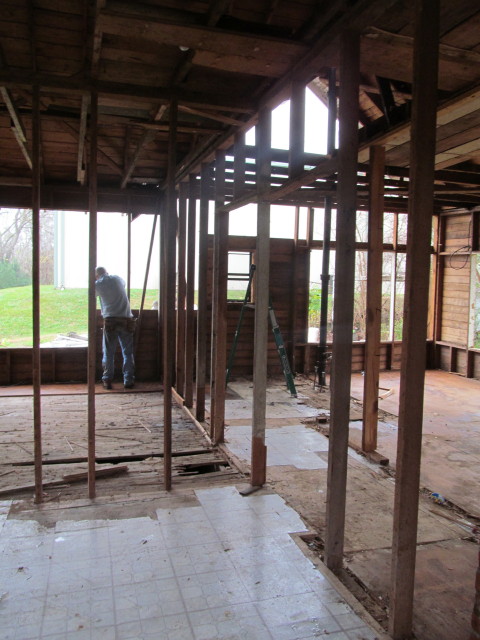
(181, 287)
(129, 254)
(145, 283)
(92, 298)
(437, 333)
(297, 130)
(190, 292)
(169, 281)
(219, 307)
(36, 369)
(201, 363)
(262, 295)
(82, 134)
(412, 380)
(452, 367)
(432, 293)
(393, 293)
(374, 300)
(343, 301)
(475, 226)
(310, 223)
(320, 373)
(470, 367)
(239, 166)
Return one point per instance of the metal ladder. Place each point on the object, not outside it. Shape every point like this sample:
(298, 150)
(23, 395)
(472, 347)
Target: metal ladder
(282, 353)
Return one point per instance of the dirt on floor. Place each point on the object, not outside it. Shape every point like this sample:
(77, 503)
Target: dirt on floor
(449, 524)
(130, 433)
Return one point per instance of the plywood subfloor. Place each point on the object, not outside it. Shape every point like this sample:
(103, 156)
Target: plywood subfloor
(129, 426)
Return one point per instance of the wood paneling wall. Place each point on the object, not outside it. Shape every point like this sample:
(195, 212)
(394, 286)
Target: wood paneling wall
(452, 353)
(456, 281)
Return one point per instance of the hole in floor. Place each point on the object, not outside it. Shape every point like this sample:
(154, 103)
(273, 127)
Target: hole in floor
(196, 468)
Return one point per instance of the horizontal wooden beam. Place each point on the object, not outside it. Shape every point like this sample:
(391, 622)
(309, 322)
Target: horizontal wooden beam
(78, 86)
(228, 50)
(75, 198)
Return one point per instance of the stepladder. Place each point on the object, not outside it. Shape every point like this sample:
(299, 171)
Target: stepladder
(277, 334)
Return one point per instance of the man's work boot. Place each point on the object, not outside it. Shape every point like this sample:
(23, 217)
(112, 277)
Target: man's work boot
(107, 384)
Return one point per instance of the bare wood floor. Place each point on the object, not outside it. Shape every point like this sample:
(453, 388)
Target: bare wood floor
(129, 431)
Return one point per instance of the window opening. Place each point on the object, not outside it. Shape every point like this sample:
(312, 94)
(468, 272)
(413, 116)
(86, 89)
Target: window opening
(474, 325)
(238, 274)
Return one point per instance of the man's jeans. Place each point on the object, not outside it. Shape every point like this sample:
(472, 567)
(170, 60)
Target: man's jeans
(121, 329)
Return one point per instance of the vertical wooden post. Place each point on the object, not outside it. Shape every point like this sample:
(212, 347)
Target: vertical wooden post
(169, 329)
(201, 363)
(321, 364)
(432, 292)
(138, 330)
(262, 289)
(219, 308)
(343, 302)
(412, 380)
(293, 307)
(393, 294)
(190, 293)
(297, 130)
(92, 298)
(182, 287)
(239, 151)
(437, 333)
(374, 299)
(36, 369)
(129, 253)
(310, 224)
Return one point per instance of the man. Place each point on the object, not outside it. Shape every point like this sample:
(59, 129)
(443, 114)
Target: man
(118, 325)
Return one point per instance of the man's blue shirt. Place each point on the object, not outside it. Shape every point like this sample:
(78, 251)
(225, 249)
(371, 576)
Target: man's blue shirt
(113, 297)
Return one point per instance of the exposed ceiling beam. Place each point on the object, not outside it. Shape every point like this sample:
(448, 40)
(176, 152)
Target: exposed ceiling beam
(73, 130)
(322, 52)
(223, 43)
(17, 126)
(211, 116)
(449, 111)
(145, 139)
(78, 86)
(446, 52)
(361, 15)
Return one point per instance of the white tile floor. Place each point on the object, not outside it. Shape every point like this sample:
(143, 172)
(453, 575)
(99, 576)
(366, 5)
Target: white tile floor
(226, 569)
(295, 445)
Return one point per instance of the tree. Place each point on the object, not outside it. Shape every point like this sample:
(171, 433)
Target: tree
(16, 243)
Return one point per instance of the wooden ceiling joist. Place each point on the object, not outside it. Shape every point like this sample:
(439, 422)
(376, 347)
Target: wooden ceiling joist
(76, 86)
(17, 126)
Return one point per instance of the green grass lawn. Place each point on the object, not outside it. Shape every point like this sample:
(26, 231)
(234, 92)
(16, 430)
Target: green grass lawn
(60, 312)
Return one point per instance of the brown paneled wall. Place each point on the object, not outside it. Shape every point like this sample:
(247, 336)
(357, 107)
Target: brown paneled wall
(289, 302)
(456, 280)
(390, 357)
(452, 352)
